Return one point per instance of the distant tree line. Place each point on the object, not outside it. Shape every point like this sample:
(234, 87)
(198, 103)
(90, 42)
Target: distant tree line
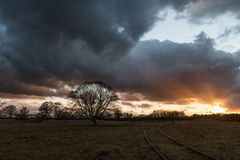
(55, 110)
(218, 116)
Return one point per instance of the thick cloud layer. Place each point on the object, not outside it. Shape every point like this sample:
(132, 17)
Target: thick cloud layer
(170, 71)
(46, 46)
(43, 40)
(212, 8)
(47, 43)
(106, 27)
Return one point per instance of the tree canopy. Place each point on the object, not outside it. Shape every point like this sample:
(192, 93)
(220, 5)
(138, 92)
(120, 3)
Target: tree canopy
(93, 98)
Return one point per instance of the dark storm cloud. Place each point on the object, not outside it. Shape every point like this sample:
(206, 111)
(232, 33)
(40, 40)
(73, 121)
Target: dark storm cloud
(46, 45)
(233, 101)
(212, 8)
(169, 71)
(105, 26)
(42, 41)
(205, 11)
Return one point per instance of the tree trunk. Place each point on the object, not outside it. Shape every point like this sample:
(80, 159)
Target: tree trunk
(94, 122)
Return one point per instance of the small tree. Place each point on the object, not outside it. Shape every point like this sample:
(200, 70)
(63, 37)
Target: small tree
(74, 113)
(117, 113)
(2, 103)
(128, 115)
(57, 108)
(23, 113)
(93, 98)
(10, 110)
(46, 110)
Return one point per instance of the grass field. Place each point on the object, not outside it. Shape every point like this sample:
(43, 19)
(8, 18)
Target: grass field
(217, 138)
(74, 140)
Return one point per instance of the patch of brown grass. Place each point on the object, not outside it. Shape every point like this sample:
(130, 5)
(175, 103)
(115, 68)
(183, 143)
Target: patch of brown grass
(217, 138)
(76, 140)
(72, 140)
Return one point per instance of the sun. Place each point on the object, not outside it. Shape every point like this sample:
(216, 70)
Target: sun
(218, 109)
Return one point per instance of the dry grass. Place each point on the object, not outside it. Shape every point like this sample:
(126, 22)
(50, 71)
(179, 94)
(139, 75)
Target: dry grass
(76, 140)
(73, 140)
(219, 139)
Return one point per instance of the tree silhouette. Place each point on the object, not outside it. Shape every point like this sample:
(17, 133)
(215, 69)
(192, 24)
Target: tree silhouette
(58, 110)
(10, 110)
(2, 103)
(23, 113)
(128, 115)
(45, 110)
(117, 113)
(93, 98)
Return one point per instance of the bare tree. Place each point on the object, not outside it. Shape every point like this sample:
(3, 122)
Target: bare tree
(128, 115)
(167, 115)
(117, 113)
(10, 110)
(57, 108)
(23, 113)
(74, 113)
(2, 103)
(45, 110)
(93, 98)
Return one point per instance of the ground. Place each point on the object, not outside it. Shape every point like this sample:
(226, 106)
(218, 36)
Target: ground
(218, 138)
(76, 140)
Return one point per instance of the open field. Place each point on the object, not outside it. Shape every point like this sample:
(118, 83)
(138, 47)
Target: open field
(70, 140)
(217, 138)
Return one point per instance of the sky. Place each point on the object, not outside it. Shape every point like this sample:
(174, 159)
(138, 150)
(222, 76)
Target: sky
(157, 54)
(179, 29)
